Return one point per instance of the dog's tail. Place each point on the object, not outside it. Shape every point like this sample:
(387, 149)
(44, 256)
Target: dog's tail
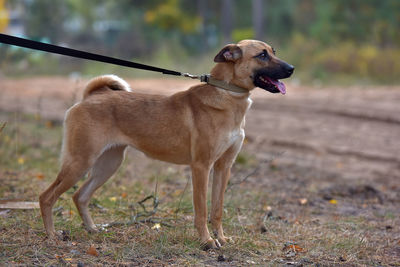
(112, 82)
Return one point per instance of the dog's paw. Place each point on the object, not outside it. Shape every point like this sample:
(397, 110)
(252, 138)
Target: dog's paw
(210, 244)
(224, 239)
(96, 228)
(92, 229)
(55, 237)
(51, 236)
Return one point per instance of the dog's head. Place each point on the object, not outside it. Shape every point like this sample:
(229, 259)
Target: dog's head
(254, 64)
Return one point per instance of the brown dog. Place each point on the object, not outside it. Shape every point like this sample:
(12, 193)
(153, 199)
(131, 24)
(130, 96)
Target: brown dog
(201, 127)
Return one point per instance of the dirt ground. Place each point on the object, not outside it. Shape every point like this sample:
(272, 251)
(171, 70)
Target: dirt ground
(335, 150)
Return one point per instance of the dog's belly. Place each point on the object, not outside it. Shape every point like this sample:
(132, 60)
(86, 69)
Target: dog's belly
(172, 154)
(176, 159)
(174, 149)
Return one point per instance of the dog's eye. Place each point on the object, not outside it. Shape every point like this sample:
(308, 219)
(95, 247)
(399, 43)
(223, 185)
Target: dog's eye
(263, 56)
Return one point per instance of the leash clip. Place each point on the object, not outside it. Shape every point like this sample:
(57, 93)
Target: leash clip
(188, 75)
(203, 78)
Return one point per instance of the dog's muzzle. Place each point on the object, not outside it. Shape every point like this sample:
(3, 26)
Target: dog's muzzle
(268, 78)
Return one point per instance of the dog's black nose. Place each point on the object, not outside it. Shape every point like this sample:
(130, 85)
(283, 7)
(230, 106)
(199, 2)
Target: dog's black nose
(289, 69)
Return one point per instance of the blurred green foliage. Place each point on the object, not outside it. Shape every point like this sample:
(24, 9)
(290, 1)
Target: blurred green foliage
(355, 40)
(169, 16)
(242, 33)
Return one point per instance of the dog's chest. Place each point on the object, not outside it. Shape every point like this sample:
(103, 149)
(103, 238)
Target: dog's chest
(239, 115)
(234, 134)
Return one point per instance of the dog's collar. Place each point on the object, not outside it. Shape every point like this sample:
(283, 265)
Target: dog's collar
(222, 84)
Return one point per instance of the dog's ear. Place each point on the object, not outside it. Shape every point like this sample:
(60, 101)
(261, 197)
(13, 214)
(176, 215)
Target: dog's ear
(230, 53)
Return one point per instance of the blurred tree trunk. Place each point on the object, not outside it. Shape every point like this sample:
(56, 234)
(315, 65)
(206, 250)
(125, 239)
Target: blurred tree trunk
(258, 18)
(226, 20)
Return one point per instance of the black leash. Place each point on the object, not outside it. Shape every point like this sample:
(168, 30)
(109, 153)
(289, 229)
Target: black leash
(12, 40)
(55, 49)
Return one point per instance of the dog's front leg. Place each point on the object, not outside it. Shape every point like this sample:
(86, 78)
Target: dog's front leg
(200, 173)
(221, 176)
(222, 172)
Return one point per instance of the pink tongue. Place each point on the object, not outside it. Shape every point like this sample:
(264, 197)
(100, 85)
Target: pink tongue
(280, 85)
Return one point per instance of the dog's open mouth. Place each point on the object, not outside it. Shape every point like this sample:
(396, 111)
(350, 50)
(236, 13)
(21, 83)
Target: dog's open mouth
(269, 84)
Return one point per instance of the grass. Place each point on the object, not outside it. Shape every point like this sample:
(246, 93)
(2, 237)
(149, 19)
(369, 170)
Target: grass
(268, 227)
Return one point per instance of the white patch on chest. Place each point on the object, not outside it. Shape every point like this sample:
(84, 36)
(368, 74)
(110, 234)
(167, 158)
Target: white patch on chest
(249, 102)
(235, 136)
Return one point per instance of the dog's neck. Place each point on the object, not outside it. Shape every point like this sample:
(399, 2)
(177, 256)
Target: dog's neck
(223, 72)
(223, 76)
(225, 86)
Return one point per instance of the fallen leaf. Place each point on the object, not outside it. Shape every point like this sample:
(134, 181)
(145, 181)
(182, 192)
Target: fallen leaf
(40, 176)
(113, 199)
(267, 208)
(124, 195)
(292, 247)
(21, 160)
(303, 201)
(333, 201)
(93, 251)
(156, 226)
(297, 248)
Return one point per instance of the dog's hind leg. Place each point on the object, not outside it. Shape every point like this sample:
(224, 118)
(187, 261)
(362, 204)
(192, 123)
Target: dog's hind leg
(104, 167)
(72, 170)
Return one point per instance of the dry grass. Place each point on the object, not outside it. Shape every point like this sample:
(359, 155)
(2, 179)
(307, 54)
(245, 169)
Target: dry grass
(268, 223)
